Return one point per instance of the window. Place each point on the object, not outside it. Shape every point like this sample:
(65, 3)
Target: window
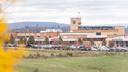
(98, 33)
(74, 22)
(49, 36)
(79, 23)
(126, 43)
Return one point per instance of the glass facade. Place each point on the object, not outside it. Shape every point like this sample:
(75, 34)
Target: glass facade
(96, 27)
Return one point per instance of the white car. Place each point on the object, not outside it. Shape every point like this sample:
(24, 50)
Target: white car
(47, 46)
(72, 46)
(36, 46)
(104, 48)
(93, 49)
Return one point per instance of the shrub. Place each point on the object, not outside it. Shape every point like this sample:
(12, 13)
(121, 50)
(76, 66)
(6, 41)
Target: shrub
(36, 70)
(52, 54)
(69, 54)
(30, 56)
(61, 55)
(38, 55)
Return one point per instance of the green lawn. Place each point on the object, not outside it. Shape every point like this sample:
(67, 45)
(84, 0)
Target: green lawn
(75, 64)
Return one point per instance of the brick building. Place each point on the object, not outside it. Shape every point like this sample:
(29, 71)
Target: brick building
(101, 33)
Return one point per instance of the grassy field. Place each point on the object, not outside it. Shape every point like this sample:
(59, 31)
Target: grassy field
(75, 64)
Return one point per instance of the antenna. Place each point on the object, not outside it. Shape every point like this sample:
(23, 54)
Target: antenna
(78, 14)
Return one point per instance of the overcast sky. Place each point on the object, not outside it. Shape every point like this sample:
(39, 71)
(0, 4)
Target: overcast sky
(92, 12)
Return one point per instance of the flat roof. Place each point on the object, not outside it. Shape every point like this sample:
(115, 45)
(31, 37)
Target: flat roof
(96, 36)
(77, 33)
(70, 39)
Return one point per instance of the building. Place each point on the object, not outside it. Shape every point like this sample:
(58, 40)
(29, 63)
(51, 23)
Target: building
(72, 38)
(51, 30)
(87, 35)
(121, 41)
(75, 23)
(101, 33)
(86, 38)
(38, 37)
(102, 30)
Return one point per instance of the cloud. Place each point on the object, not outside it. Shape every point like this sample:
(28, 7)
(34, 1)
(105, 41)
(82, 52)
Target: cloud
(92, 11)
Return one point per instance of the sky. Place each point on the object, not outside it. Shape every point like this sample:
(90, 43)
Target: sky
(92, 12)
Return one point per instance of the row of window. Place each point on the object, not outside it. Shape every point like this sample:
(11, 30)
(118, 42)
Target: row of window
(96, 27)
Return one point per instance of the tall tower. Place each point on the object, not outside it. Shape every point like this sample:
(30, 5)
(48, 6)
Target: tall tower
(75, 23)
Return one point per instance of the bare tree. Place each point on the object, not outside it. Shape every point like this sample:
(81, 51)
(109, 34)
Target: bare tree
(111, 43)
(80, 41)
(60, 40)
(92, 42)
(104, 42)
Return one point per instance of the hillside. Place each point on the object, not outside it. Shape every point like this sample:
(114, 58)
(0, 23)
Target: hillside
(37, 26)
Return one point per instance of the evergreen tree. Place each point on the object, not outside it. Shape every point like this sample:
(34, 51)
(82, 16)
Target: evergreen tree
(46, 40)
(60, 40)
(12, 39)
(31, 40)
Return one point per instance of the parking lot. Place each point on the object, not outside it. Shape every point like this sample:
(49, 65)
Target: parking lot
(80, 48)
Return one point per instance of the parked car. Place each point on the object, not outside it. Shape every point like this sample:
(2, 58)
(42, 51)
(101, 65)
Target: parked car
(93, 49)
(112, 49)
(83, 48)
(103, 48)
(73, 47)
(58, 47)
(119, 49)
(42, 46)
(36, 46)
(123, 49)
(47, 46)
(29, 45)
(11, 45)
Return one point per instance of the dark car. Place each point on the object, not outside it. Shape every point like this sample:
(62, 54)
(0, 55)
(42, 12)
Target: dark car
(83, 48)
(112, 49)
(57, 47)
(29, 45)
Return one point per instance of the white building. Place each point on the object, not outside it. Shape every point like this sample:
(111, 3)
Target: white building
(51, 30)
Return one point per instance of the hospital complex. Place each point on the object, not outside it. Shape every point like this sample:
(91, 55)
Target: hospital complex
(114, 36)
